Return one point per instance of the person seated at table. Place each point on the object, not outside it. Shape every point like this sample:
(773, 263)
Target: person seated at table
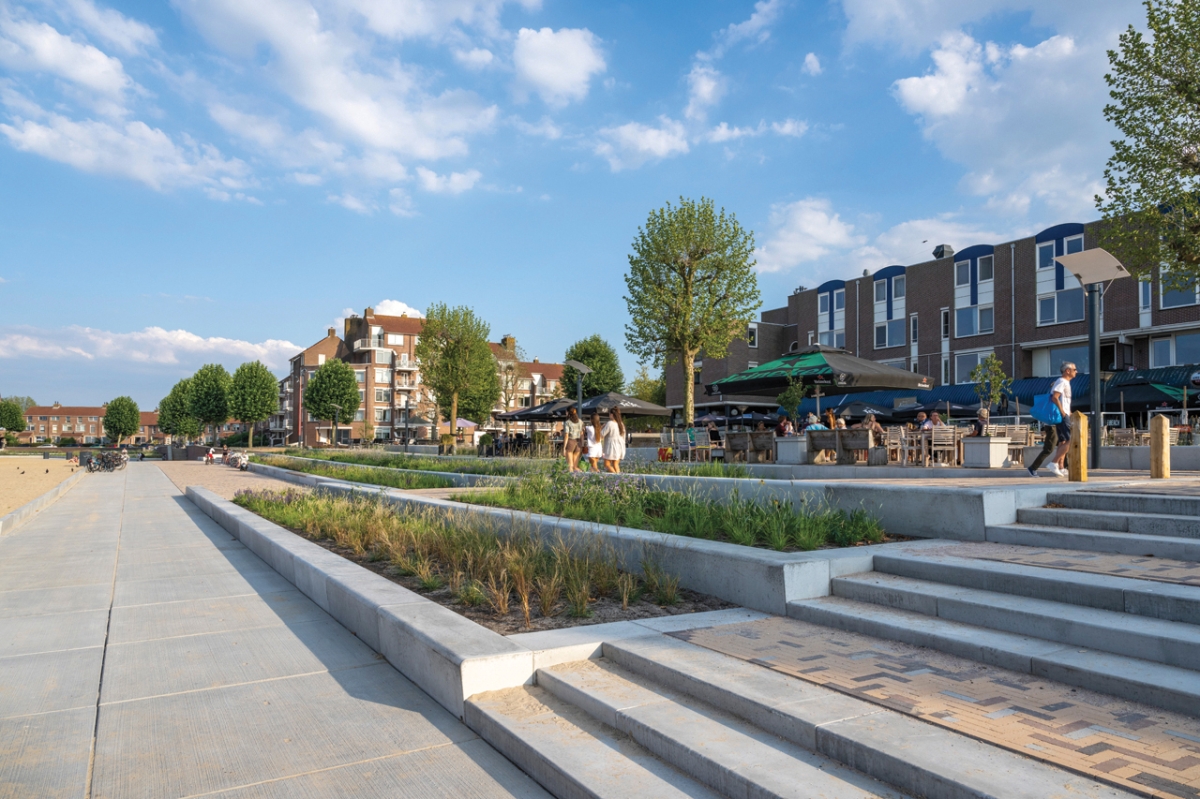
(714, 435)
(921, 421)
(762, 427)
(784, 428)
(870, 423)
(841, 424)
(980, 424)
(935, 420)
(811, 422)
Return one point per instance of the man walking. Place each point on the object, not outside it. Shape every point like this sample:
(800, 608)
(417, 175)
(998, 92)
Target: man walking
(1058, 436)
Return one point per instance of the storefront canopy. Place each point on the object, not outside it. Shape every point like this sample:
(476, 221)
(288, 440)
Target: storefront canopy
(833, 371)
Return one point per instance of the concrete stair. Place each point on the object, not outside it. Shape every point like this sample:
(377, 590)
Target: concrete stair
(725, 727)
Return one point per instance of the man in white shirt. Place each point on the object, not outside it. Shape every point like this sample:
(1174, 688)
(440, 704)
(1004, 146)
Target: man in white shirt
(1060, 434)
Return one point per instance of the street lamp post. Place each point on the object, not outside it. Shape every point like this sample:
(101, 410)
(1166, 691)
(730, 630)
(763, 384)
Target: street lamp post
(580, 371)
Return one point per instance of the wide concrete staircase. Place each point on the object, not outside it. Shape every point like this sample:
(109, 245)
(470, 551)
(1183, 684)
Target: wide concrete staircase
(658, 717)
(1121, 635)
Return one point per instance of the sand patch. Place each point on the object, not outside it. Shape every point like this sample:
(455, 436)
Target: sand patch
(24, 479)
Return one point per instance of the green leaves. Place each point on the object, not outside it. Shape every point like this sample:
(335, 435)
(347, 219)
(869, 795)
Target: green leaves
(332, 384)
(175, 413)
(606, 375)
(990, 380)
(1151, 205)
(12, 416)
(456, 362)
(208, 398)
(792, 396)
(121, 418)
(253, 394)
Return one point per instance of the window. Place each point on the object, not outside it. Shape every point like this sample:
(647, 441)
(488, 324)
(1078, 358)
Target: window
(383, 395)
(974, 321)
(1160, 353)
(752, 335)
(898, 287)
(831, 339)
(964, 364)
(839, 299)
(1061, 306)
(1074, 245)
(383, 414)
(697, 366)
(1077, 355)
(360, 375)
(986, 319)
(320, 360)
(376, 331)
(811, 337)
(382, 375)
(795, 345)
(962, 273)
(1145, 292)
(945, 323)
(823, 304)
(987, 268)
(912, 328)
(889, 334)
(395, 338)
(1045, 256)
(1177, 299)
(54, 418)
(945, 370)
(751, 364)
(359, 415)
(880, 291)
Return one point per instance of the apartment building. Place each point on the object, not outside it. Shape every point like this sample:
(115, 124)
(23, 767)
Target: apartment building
(84, 423)
(940, 317)
(523, 384)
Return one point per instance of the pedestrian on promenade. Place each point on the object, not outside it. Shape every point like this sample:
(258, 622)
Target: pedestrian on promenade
(573, 435)
(595, 441)
(613, 436)
(1058, 436)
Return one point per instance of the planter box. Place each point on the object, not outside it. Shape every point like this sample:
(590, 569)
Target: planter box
(791, 449)
(985, 452)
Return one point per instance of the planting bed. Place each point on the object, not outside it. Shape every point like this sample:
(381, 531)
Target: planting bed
(629, 502)
(508, 586)
(358, 474)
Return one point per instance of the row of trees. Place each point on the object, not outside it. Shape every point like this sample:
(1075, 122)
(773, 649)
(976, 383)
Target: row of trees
(211, 397)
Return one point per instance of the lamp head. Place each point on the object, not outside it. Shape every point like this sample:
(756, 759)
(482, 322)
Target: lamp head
(578, 367)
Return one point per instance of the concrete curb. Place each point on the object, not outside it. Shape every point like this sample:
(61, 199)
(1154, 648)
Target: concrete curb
(456, 478)
(11, 521)
(752, 578)
(450, 657)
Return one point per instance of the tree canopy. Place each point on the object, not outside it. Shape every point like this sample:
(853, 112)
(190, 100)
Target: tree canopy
(208, 399)
(650, 388)
(457, 364)
(1151, 205)
(253, 395)
(990, 380)
(597, 354)
(175, 413)
(332, 384)
(24, 402)
(692, 288)
(12, 416)
(121, 419)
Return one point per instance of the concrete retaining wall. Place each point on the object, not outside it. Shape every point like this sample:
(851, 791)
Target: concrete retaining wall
(448, 656)
(11, 521)
(1183, 459)
(455, 478)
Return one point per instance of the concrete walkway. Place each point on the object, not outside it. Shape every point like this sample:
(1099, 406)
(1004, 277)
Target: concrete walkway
(146, 653)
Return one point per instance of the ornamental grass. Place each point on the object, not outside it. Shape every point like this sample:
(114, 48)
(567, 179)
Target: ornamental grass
(357, 474)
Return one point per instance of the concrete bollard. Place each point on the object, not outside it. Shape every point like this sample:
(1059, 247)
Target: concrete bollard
(1077, 451)
(1160, 448)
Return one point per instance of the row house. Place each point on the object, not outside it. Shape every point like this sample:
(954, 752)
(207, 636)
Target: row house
(84, 423)
(941, 317)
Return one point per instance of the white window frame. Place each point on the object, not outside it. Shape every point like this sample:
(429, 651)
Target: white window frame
(1037, 308)
(1170, 340)
(839, 300)
(395, 339)
(1162, 292)
(823, 301)
(1067, 243)
(320, 360)
(947, 319)
(980, 355)
(899, 287)
(976, 312)
(912, 328)
(752, 335)
(1145, 295)
(979, 268)
(887, 338)
(360, 376)
(880, 285)
(1038, 255)
(957, 273)
(751, 364)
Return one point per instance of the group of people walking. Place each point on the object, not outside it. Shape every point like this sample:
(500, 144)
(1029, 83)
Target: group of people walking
(595, 441)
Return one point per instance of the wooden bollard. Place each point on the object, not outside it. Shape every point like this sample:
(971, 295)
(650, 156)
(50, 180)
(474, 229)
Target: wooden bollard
(1160, 448)
(1077, 451)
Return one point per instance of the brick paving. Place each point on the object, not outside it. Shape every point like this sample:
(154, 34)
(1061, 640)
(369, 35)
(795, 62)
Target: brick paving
(224, 481)
(1136, 747)
(1163, 570)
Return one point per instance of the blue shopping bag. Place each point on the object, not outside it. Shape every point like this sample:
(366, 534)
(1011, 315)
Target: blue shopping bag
(1045, 411)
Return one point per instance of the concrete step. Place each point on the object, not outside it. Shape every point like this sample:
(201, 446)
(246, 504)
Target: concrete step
(1170, 642)
(1157, 600)
(720, 750)
(1127, 503)
(1113, 521)
(1169, 687)
(569, 752)
(919, 758)
(1152, 546)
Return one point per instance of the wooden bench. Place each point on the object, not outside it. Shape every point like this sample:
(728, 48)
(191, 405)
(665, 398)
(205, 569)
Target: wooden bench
(844, 442)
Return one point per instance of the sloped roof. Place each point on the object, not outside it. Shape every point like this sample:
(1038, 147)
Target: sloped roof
(66, 410)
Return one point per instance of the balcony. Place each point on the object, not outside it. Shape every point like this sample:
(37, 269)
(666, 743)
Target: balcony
(369, 344)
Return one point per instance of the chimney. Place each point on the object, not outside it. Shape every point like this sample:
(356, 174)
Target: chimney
(369, 312)
(56, 404)
(509, 343)
(535, 360)
(332, 332)
(943, 251)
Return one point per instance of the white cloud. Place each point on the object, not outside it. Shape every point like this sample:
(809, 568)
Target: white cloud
(706, 86)
(37, 47)
(475, 58)
(558, 65)
(131, 150)
(127, 35)
(264, 131)
(307, 179)
(453, 183)
(804, 231)
(757, 28)
(400, 204)
(812, 64)
(630, 145)
(436, 19)
(958, 71)
(153, 345)
(352, 203)
(790, 127)
(723, 133)
(544, 128)
(397, 308)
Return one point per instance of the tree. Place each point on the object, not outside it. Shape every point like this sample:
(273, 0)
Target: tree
(121, 418)
(457, 364)
(1151, 205)
(692, 288)
(990, 380)
(597, 354)
(646, 387)
(12, 416)
(25, 402)
(253, 395)
(208, 399)
(175, 413)
(332, 394)
(792, 396)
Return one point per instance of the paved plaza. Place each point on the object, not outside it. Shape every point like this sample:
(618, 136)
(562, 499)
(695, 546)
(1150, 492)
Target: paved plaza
(144, 652)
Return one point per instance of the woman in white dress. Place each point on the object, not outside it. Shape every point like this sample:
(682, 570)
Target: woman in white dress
(595, 447)
(613, 435)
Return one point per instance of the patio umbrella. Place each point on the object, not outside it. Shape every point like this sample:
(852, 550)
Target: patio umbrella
(630, 406)
(715, 418)
(859, 410)
(946, 409)
(833, 371)
(547, 411)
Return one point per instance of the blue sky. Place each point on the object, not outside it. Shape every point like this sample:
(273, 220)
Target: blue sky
(217, 180)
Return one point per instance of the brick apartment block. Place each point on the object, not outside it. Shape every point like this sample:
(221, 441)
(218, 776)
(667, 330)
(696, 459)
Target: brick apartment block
(940, 317)
(84, 423)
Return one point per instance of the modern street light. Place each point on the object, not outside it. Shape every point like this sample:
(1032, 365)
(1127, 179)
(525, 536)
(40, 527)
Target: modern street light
(1092, 268)
(580, 371)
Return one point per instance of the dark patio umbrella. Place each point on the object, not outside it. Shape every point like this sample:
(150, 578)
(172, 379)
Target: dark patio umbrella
(630, 406)
(833, 371)
(547, 411)
(715, 418)
(859, 410)
(943, 407)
